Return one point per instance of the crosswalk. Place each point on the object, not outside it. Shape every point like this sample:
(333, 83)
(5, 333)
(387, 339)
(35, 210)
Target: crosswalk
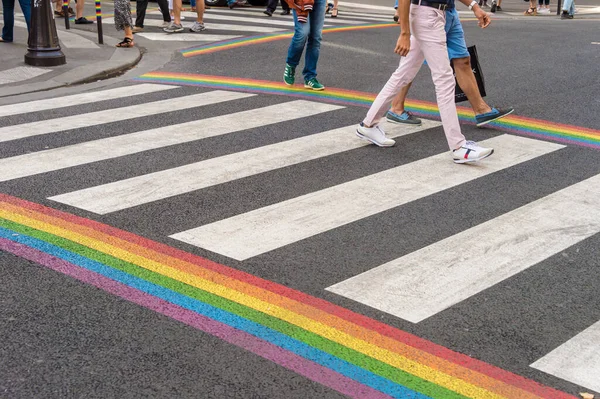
(223, 23)
(276, 141)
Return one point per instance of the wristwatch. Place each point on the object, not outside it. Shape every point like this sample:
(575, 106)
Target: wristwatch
(472, 5)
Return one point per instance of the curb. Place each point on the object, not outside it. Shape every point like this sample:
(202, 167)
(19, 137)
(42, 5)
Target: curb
(120, 61)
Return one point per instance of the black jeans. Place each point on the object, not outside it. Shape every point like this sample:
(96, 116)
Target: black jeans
(272, 5)
(141, 6)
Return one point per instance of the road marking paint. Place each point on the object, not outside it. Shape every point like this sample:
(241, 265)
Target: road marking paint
(578, 359)
(256, 232)
(73, 40)
(155, 186)
(18, 74)
(184, 37)
(521, 125)
(24, 130)
(432, 279)
(349, 352)
(231, 18)
(214, 26)
(113, 147)
(267, 38)
(83, 98)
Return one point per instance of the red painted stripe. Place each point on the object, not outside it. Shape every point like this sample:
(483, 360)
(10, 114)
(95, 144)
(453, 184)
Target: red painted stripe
(361, 320)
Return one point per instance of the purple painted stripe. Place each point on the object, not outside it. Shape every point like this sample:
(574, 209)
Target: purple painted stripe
(289, 360)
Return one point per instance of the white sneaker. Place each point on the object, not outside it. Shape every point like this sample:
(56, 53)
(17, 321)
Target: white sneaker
(471, 152)
(375, 135)
(165, 24)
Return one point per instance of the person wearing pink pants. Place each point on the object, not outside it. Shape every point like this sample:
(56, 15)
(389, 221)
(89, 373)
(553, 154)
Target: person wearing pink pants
(424, 38)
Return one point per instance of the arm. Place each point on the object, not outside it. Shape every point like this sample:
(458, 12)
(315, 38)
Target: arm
(484, 19)
(403, 43)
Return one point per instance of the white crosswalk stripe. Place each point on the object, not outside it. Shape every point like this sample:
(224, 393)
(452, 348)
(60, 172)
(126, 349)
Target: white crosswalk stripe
(24, 130)
(423, 283)
(577, 360)
(414, 287)
(84, 98)
(143, 189)
(262, 230)
(87, 152)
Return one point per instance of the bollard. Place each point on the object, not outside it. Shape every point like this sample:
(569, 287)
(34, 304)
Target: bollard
(99, 21)
(65, 8)
(43, 48)
(558, 7)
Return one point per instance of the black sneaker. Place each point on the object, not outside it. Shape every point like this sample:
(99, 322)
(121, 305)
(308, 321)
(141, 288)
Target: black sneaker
(83, 20)
(565, 15)
(493, 115)
(498, 8)
(268, 13)
(494, 6)
(285, 12)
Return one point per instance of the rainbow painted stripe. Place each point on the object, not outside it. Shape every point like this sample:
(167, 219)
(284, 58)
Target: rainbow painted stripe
(345, 351)
(271, 37)
(520, 125)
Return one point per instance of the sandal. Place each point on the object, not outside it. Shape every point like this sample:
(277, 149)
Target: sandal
(531, 11)
(59, 14)
(127, 42)
(329, 8)
(334, 12)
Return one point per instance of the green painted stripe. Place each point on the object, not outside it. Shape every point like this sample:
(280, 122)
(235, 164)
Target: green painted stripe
(350, 355)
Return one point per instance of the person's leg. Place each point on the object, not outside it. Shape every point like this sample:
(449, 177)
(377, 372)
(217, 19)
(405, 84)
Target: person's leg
(398, 102)
(285, 6)
(164, 10)
(177, 11)
(427, 26)
(567, 6)
(8, 11)
(334, 10)
(26, 8)
(199, 24)
(193, 5)
(401, 78)
(296, 47)
(140, 12)
(272, 5)
(460, 58)
(316, 20)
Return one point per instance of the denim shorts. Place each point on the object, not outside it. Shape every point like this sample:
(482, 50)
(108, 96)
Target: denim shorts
(455, 36)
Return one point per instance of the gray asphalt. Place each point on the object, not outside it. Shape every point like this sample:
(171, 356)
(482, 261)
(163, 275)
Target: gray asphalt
(62, 338)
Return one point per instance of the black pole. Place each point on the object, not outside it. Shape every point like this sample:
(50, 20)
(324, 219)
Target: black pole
(558, 7)
(99, 21)
(65, 9)
(43, 47)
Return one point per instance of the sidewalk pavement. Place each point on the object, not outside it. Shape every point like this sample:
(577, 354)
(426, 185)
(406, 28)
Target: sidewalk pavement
(86, 60)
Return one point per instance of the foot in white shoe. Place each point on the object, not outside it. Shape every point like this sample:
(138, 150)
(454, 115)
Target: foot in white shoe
(471, 152)
(375, 135)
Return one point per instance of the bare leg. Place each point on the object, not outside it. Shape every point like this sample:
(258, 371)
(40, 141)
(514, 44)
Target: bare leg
(468, 83)
(79, 9)
(199, 10)
(177, 11)
(398, 103)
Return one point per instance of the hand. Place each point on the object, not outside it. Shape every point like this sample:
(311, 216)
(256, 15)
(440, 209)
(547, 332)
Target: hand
(484, 19)
(403, 44)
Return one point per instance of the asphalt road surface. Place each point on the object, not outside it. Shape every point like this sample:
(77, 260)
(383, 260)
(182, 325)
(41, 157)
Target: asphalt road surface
(213, 159)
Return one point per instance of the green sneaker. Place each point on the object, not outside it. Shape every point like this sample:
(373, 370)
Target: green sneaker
(288, 74)
(313, 84)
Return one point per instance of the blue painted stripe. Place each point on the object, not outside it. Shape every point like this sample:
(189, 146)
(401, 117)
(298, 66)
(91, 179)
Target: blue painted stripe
(306, 351)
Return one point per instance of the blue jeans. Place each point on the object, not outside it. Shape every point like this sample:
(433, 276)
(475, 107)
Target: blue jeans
(308, 33)
(569, 6)
(193, 3)
(8, 7)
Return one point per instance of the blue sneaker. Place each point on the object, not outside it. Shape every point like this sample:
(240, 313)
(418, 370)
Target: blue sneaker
(493, 115)
(404, 117)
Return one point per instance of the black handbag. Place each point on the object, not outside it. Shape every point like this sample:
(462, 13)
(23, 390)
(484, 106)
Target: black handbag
(459, 95)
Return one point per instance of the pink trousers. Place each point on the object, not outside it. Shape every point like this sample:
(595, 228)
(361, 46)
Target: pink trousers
(427, 42)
